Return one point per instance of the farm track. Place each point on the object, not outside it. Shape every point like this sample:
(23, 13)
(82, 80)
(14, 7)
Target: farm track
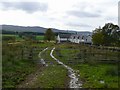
(74, 82)
(42, 60)
(30, 80)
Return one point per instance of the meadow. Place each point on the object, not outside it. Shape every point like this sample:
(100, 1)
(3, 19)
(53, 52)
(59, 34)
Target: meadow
(18, 59)
(38, 37)
(96, 68)
(21, 60)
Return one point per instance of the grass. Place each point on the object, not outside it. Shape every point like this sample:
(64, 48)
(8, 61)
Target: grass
(88, 63)
(8, 35)
(16, 66)
(39, 37)
(92, 75)
(16, 37)
(53, 76)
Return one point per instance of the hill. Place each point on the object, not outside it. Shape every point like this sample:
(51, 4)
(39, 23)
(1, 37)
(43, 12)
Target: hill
(37, 29)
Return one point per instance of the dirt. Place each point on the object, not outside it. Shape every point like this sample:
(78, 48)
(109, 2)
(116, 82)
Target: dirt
(30, 79)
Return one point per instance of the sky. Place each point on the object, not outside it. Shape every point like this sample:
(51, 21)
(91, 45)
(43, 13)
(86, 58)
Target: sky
(78, 15)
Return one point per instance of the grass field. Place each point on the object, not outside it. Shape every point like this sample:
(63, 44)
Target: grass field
(21, 59)
(38, 37)
(17, 65)
(93, 73)
(53, 76)
(17, 38)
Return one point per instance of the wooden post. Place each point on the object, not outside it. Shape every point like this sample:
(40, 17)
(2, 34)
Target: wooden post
(22, 53)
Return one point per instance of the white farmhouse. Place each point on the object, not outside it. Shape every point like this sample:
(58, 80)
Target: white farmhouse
(87, 39)
(74, 38)
(63, 38)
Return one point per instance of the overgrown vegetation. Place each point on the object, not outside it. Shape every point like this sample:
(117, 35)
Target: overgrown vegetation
(19, 59)
(97, 68)
(15, 65)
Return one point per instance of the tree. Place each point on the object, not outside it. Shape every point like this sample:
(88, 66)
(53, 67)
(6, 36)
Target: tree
(107, 35)
(49, 35)
(109, 31)
(98, 37)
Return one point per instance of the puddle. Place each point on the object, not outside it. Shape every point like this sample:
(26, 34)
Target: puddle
(42, 60)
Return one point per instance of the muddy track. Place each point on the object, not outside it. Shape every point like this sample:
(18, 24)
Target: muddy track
(74, 81)
(41, 59)
(30, 79)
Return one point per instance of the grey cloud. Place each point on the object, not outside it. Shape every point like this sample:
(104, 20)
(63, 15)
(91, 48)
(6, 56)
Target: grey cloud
(83, 14)
(111, 18)
(29, 7)
(78, 25)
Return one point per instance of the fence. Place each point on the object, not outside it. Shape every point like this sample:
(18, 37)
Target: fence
(89, 54)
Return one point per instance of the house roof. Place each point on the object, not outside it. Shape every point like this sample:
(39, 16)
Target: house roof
(64, 35)
(81, 36)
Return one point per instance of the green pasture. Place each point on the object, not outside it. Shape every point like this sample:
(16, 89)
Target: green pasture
(86, 62)
(39, 37)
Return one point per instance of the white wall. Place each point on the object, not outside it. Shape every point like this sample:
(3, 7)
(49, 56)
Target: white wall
(63, 39)
(58, 39)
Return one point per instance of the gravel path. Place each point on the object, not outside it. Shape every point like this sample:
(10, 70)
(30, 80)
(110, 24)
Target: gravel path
(74, 82)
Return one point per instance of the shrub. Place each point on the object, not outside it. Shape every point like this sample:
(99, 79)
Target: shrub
(112, 71)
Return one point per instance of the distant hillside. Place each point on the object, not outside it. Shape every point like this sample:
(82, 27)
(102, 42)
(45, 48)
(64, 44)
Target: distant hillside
(37, 29)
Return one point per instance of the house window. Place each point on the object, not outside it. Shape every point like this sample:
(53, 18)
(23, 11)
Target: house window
(78, 37)
(82, 37)
(74, 37)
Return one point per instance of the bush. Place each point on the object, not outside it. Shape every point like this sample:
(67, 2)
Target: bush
(112, 71)
(7, 38)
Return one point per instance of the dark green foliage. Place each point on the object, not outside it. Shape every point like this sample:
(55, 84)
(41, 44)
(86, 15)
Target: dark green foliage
(108, 35)
(49, 35)
(112, 71)
(7, 32)
(98, 37)
(7, 38)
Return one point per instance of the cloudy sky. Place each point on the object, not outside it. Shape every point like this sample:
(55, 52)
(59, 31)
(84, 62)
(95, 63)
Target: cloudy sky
(80, 15)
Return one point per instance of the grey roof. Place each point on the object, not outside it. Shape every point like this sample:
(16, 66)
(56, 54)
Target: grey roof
(64, 35)
(81, 36)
